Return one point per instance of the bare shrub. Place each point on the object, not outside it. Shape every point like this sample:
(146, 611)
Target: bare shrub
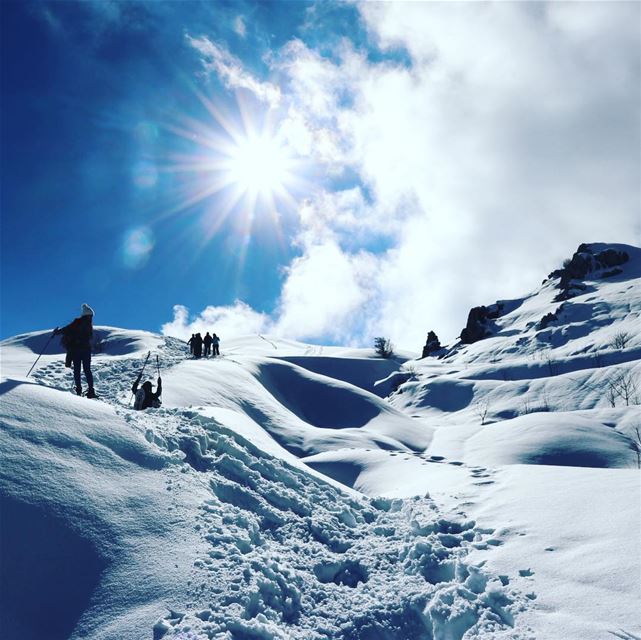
(620, 340)
(482, 407)
(623, 385)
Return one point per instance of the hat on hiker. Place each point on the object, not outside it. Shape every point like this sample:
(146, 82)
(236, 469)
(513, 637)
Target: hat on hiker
(86, 310)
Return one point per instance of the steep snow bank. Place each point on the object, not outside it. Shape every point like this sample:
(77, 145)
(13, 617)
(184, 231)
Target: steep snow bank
(84, 501)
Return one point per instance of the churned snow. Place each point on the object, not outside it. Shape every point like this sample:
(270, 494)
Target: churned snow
(287, 490)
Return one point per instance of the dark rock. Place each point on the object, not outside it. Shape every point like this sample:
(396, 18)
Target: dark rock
(612, 273)
(584, 261)
(549, 318)
(477, 326)
(612, 258)
(572, 289)
(432, 344)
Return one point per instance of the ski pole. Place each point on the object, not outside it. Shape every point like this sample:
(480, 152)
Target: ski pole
(43, 350)
(141, 372)
(158, 365)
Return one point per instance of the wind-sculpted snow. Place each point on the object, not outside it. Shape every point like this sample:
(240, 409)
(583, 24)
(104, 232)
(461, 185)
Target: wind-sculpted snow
(244, 544)
(304, 412)
(551, 438)
(360, 372)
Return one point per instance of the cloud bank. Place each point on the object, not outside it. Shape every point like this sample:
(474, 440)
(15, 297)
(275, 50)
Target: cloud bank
(505, 135)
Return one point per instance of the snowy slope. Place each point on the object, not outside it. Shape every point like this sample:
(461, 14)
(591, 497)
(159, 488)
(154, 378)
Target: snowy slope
(281, 493)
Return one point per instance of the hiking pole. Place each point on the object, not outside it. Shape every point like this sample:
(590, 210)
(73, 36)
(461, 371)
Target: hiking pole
(43, 350)
(140, 374)
(158, 365)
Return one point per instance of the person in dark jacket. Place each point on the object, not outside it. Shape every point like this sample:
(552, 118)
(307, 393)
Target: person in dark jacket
(198, 346)
(145, 396)
(76, 338)
(207, 340)
(190, 342)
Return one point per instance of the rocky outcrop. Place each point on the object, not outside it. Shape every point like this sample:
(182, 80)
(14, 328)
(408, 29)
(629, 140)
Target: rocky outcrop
(478, 322)
(550, 318)
(432, 345)
(586, 261)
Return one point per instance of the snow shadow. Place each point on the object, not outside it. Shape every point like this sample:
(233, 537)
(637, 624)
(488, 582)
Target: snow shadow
(47, 581)
(317, 402)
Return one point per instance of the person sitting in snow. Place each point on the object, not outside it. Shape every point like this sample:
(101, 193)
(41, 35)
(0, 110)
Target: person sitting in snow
(145, 396)
(76, 339)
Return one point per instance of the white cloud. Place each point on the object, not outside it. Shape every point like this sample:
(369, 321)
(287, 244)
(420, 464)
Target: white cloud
(512, 137)
(323, 293)
(217, 59)
(227, 321)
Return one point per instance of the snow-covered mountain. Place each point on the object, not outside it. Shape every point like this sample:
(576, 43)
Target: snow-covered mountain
(286, 490)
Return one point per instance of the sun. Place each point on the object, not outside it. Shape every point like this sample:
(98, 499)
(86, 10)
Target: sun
(259, 165)
(238, 170)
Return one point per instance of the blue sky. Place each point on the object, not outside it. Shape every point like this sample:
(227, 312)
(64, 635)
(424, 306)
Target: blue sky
(418, 160)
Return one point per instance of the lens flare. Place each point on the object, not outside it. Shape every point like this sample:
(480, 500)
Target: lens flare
(137, 246)
(145, 174)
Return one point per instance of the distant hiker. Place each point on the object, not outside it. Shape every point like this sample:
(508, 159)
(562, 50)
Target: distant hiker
(76, 339)
(190, 342)
(207, 340)
(215, 342)
(198, 346)
(145, 396)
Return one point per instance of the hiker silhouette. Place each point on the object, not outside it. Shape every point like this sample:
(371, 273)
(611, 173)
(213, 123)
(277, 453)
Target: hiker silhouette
(207, 340)
(215, 343)
(145, 396)
(76, 339)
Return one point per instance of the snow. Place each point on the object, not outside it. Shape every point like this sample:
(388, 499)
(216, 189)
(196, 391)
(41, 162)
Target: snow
(287, 490)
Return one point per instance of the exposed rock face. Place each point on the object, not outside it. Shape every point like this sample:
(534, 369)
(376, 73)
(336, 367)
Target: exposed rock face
(549, 318)
(478, 326)
(432, 344)
(584, 261)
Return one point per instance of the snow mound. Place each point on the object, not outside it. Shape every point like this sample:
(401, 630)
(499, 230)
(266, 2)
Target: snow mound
(552, 439)
(83, 499)
(318, 400)
(360, 372)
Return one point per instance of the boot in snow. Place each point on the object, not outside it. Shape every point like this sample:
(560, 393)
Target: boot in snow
(91, 393)
(79, 391)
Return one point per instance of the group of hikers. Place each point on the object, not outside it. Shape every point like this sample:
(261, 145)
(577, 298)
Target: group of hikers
(197, 342)
(76, 340)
